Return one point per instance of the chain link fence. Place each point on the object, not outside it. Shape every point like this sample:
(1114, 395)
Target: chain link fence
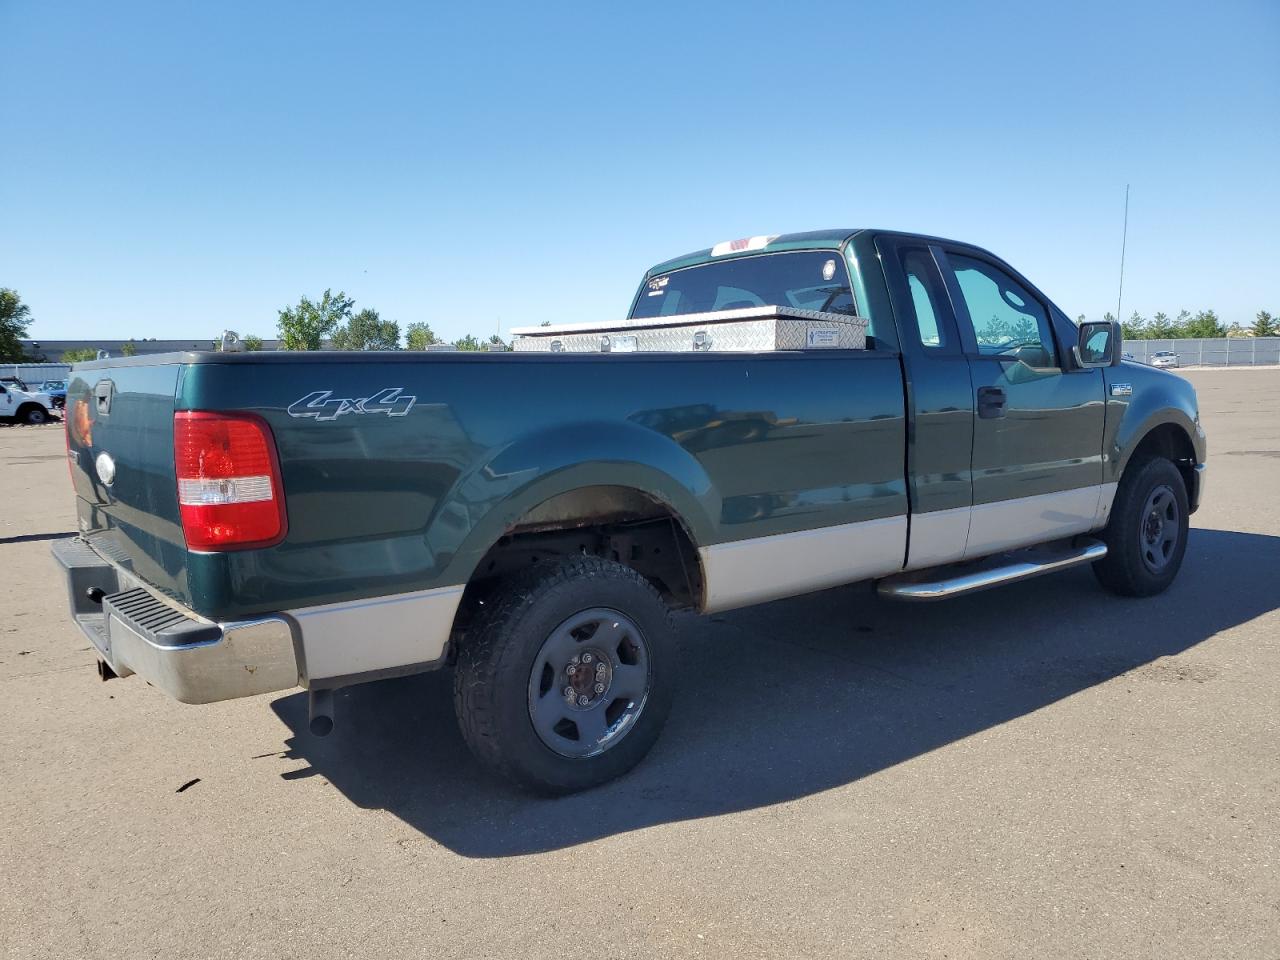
(1224, 352)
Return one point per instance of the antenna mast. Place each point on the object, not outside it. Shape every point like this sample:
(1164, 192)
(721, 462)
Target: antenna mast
(1124, 239)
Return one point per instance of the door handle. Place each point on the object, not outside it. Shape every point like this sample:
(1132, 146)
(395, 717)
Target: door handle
(991, 403)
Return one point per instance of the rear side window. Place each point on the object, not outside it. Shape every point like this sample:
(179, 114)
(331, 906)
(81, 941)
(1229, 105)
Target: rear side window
(803, 280)
(918, 267)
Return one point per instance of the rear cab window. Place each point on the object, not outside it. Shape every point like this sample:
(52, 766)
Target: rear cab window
(801, 280)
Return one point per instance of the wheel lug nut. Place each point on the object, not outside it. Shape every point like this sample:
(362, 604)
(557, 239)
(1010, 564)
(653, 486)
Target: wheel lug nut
(587, 658)
(599, 688)
(571, 670)
(583, 700)
(569, 694)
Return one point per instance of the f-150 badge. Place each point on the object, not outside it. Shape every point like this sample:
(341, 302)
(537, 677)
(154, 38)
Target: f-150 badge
(323, 405)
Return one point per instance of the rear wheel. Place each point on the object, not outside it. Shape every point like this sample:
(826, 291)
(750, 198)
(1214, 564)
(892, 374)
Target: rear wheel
(567, 675)
(1147, 534)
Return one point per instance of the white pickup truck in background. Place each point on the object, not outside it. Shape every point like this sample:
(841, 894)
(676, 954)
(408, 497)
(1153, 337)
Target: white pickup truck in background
(18, 404)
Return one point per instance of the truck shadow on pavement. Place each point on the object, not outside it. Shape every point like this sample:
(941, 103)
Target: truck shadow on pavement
(799, 696)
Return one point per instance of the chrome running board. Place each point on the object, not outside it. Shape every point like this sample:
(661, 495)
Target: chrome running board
(993, 572)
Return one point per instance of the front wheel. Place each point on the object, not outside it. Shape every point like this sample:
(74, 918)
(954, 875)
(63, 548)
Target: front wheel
(35, 416)
(566, 677)
(1147, 534)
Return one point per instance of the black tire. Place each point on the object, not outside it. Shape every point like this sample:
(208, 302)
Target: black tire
(34, 415)
(497, 695)
(1146, 536)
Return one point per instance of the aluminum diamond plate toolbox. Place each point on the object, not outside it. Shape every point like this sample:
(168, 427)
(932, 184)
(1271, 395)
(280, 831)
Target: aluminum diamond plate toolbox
(749, 330)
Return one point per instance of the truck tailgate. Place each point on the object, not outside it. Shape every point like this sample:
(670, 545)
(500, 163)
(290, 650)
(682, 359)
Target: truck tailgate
(120, 444)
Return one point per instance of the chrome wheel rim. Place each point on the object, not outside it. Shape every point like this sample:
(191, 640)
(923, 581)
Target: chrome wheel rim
(1159, 529)
(589, 683)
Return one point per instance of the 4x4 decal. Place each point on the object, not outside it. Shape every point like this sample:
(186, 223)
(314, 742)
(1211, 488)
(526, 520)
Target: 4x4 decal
(323, 405)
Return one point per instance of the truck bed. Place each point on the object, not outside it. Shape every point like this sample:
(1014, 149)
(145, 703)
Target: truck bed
(409, 489)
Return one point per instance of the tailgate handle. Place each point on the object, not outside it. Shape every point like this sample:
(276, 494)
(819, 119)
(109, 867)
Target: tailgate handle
(102, 394)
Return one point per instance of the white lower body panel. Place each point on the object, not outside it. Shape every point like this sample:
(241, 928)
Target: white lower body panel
(744, 572)
(938, 537)
(378, 634)
(1010, 524)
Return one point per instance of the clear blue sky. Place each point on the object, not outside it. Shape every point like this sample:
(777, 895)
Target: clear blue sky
(171, 169)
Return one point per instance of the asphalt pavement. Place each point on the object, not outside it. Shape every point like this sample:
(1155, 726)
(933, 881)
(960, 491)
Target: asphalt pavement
(1040, 771)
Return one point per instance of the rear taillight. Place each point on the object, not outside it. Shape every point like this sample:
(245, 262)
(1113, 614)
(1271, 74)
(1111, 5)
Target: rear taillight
(229, 491)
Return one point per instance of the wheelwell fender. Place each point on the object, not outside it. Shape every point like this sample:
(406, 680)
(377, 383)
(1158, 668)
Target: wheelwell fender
(492, 498)
(1173, 430)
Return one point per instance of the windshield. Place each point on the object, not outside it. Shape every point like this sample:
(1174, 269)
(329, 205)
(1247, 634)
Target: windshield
(806, 280)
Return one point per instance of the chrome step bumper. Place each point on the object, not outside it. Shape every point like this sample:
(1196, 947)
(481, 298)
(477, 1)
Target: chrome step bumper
(192, 659)
(994, 572)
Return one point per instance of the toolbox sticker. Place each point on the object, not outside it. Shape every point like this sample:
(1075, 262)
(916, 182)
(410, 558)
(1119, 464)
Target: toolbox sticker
(623, 344)
(323, 405)
(822, 338)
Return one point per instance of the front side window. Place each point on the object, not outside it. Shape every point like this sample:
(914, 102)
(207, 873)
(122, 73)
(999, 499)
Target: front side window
(802, 280)
(1007, 320)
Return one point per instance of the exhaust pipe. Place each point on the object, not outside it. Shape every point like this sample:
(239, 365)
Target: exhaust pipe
(320, 712)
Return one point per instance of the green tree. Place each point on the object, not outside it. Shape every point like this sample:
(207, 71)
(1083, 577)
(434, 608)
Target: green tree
(252, 342)
(497, 341)
(1205, 324)
(79, 356)
(305, 326)
(1135, 328)
(367, 331)
(1265, 326)
(127, 349)
(15, 317)
(1160, 328)
(467, 343)
(419, 336)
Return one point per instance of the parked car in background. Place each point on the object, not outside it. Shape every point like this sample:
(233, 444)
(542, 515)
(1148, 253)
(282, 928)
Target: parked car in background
(57, 391)
(1164, 358)
(22, 405)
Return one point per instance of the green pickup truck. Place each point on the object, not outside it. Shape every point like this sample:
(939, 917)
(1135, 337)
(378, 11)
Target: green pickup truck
(253, 522)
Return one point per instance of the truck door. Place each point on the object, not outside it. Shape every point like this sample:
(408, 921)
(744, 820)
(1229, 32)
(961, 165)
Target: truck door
(940, 400)
(1038, 421)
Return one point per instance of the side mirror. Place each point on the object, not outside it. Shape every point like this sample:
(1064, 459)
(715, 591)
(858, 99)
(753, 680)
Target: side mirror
(1099, 345)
